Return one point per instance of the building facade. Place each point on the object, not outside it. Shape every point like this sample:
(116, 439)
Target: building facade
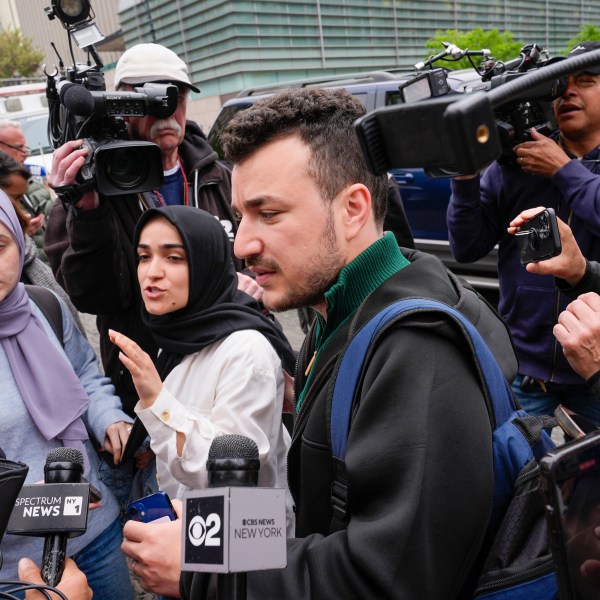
(233, 44)
(230, 45)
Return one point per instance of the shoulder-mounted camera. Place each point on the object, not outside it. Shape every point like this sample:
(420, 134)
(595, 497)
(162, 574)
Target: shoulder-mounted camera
(81, 108)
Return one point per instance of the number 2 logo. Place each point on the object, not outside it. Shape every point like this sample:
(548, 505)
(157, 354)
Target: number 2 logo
(205, 532)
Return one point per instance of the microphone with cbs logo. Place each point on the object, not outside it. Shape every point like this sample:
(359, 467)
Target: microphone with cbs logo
(233, 527)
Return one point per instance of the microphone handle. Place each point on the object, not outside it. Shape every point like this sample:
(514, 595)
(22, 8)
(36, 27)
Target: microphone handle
(231, 586)
(53, 558)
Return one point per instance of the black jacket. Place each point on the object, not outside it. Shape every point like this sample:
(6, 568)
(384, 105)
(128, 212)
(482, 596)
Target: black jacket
(419, 461)
(92, 257)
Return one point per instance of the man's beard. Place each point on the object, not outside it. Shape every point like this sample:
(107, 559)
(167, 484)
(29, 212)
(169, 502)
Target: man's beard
(319, 273)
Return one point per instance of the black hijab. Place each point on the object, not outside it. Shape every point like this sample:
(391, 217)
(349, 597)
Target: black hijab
(215, 308)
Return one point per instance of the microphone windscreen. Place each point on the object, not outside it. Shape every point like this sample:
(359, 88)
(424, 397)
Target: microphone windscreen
(79, 100)
(233, 446)
(65, 455)
(63, 86)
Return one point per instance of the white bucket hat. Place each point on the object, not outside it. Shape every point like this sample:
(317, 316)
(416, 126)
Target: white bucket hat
(151, 63)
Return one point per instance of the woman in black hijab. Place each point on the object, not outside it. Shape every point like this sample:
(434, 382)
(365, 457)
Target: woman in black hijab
(221, 360)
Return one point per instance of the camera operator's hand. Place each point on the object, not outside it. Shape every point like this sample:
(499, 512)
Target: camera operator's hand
(578, 332)
(569, 265)
(542, 156)
(66, 162)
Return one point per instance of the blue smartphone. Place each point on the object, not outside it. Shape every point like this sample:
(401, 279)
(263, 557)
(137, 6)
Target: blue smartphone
(155, 507)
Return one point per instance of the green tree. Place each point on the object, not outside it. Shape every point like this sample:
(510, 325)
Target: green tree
(502, 45)
(18, 54)
(587, 33)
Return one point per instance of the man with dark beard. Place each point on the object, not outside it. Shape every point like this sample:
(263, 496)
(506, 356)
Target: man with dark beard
(89, 245)
(419, 454)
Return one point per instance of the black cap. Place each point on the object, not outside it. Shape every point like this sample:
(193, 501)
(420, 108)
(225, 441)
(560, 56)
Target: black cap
(584, 47)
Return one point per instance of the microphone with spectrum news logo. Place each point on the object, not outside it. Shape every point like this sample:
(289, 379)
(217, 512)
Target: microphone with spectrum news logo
(57, 509)
(63, 465)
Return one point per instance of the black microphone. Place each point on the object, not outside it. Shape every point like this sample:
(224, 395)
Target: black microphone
(158, 100)
(78, 100)
(233, 527)
(63, 465)
(63, 86)
(232, 462)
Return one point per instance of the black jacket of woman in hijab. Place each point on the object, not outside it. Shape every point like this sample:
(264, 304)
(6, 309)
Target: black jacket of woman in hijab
(216, 308)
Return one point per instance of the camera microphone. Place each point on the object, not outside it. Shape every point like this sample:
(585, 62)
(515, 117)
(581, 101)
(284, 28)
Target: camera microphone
(62, 88)
(158, 100)
(77, 99)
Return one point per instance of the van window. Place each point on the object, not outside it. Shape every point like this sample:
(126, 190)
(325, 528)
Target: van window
(35, 130)
(362, 97)
(392, 98)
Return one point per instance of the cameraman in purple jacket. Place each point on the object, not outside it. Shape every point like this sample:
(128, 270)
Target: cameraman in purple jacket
(562, 172)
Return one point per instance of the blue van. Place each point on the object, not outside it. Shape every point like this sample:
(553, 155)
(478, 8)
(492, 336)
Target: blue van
(425, 200)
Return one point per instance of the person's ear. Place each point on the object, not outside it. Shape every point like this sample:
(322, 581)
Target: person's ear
(356, 207)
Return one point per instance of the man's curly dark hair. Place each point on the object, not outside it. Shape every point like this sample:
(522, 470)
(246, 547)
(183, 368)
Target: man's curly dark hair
(323, 120)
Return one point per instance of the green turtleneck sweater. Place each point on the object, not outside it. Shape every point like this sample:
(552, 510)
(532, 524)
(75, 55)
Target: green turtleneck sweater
(356, 281)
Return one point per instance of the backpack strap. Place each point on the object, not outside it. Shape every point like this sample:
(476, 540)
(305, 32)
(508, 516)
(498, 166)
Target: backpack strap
(48, 303)
(499, 397)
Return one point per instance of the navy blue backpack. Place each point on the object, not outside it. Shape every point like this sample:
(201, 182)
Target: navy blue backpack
(519, 562)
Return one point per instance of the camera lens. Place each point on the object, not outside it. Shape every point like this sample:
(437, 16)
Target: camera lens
(125, 170)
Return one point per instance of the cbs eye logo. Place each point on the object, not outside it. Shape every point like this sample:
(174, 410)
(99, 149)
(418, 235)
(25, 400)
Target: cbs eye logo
(205, 531)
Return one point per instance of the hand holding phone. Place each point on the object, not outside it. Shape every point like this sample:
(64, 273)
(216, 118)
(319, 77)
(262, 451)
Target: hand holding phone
(539, 238)
(155, 507)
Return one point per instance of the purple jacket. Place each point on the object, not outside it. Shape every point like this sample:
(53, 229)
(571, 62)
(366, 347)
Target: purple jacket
(478, 215)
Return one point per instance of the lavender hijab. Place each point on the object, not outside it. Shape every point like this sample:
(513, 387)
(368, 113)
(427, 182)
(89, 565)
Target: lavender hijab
(49, 386)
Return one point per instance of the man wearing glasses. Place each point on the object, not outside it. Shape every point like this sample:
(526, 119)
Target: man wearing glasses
(36, 201)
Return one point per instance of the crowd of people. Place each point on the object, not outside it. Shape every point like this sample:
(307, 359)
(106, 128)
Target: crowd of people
(184, 281)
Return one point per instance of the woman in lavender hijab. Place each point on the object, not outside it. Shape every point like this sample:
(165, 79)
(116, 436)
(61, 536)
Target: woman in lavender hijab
(53, 395)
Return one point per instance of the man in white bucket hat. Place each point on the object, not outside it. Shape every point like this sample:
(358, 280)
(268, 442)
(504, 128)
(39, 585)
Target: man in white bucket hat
(90, 244)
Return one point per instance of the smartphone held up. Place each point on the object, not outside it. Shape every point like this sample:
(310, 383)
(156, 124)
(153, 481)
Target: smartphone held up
(155, 507)
(538, 238)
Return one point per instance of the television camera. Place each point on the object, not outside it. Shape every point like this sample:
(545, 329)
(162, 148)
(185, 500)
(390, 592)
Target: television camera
(457, 132)
(81, 108)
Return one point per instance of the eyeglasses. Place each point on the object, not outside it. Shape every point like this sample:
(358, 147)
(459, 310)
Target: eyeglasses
(21, 149)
